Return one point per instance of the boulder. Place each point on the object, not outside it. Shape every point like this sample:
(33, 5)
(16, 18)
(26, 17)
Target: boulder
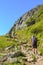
(8, 48)
(30, 59)
(1, 63)
(3, 59)
(11, 60)
(15, 54)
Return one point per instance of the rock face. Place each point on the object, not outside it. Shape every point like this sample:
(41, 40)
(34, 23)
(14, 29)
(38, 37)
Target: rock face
(20, 23)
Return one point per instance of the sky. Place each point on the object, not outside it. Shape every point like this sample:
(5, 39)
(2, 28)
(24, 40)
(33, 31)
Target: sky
(11, 10)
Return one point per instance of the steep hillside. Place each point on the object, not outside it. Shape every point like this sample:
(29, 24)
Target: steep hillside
(15, 45)
(31, 23)
(20, 23)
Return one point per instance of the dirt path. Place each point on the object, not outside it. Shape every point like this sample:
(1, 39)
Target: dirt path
(27, 63)
(38, 62)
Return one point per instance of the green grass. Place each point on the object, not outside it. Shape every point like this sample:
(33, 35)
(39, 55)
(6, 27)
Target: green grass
(15, 63)
(35, 29)
(6, 41)
(25, 34)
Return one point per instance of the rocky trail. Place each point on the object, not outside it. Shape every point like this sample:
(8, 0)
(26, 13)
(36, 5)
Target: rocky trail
(28, 59)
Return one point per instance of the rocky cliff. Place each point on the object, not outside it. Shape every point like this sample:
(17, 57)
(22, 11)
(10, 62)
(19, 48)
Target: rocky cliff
(20, 23)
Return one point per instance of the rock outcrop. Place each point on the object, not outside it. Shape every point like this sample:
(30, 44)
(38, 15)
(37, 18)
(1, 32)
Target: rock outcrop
(20, 23)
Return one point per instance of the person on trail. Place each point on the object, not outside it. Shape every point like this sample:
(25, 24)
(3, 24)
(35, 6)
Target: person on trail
(34, 44)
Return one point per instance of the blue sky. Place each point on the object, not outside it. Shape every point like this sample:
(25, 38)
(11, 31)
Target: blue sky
(11, 10)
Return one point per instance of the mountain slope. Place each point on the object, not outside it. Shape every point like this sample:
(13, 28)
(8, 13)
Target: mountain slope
(31, 23)
(14, 46)
(20, 23)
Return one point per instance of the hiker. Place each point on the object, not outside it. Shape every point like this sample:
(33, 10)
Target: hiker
(34, 44)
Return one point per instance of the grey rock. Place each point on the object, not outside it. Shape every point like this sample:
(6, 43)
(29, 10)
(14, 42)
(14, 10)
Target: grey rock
(11, 60)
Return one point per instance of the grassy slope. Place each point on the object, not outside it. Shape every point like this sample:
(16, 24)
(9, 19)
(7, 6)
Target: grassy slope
(4, 41)
(25, 34)
(36, 29)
